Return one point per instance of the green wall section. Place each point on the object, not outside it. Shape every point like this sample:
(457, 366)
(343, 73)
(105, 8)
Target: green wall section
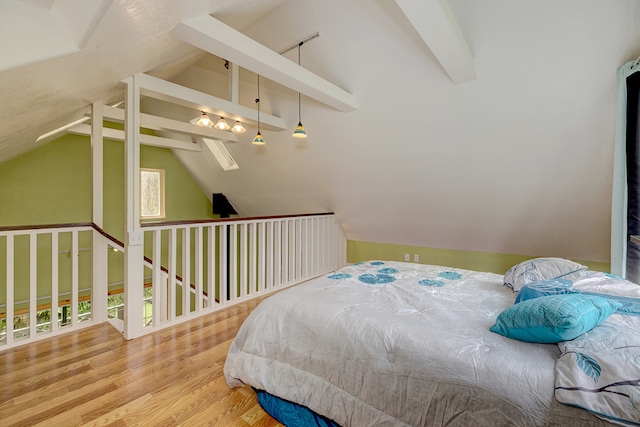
(52, 185)
(358, 251)
(48, 185)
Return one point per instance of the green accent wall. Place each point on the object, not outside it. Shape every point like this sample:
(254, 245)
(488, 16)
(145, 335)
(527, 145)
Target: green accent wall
(52, 185)
(358, 251)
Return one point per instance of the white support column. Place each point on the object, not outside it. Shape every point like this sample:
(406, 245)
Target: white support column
(134, 236)
(99, 248)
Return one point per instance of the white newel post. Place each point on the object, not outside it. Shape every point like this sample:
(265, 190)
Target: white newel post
(134, 236)
(99, 248)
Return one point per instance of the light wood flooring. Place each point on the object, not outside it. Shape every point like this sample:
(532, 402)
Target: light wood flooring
(96, 378)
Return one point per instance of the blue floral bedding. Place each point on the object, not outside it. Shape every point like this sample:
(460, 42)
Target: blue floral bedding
(600, 370)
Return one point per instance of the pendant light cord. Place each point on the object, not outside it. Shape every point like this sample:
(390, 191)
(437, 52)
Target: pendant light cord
(258, 102)
(299, 116)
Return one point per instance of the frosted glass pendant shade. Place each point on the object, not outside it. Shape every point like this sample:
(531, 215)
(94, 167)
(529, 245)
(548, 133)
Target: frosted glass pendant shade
(204, 120)
(238, 128)
(222, 124)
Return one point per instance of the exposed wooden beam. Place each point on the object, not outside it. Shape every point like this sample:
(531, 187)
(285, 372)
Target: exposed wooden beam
(213, 36)
(187, 97)
(155, 141)
(163, 124)
(437, 26)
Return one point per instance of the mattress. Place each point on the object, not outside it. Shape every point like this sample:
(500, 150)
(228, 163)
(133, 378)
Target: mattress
(399, 344)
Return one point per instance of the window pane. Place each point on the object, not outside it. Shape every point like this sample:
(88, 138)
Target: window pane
(151, 193)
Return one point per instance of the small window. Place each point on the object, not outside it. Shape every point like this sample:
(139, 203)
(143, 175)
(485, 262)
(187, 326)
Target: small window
(151, 193)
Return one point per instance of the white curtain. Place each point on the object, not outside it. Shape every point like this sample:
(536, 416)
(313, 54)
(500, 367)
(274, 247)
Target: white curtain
(619, 194)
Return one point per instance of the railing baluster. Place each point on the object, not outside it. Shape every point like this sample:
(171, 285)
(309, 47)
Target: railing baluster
(260, 253)
(33, 283)
(54, 281)
(158, 313)
(211, 266)
(171, 273)
(186, 271)
(232, 260)
(74, 278)
(269, 250)
(243, 260)
(253, 267)
(198, 268)
(224, 271)
(10, 288)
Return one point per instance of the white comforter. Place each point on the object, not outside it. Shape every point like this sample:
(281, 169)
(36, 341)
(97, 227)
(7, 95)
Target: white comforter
(399, 344)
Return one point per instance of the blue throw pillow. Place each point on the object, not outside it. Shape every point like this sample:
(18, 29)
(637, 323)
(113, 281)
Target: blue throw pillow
(554, 318)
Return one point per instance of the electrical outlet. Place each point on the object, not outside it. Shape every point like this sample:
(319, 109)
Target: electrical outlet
(406, 257)
(416, 258)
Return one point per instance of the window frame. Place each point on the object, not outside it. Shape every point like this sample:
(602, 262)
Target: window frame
(161, 195)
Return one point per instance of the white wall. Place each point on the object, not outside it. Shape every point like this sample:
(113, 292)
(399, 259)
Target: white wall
(518, 161)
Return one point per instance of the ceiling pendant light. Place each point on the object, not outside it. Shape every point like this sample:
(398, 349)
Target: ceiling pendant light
(222, 124)
(204, 120)
(258, 140)
(299, 132)
(238, 128)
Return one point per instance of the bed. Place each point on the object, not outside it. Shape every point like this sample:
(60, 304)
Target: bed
(401, 344)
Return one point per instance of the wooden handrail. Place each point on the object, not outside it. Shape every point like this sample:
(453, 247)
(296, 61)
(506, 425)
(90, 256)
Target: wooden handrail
(46, 226)
(234, 219)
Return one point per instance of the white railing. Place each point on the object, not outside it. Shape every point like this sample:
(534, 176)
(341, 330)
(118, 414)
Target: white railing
(36, 264)
(203, 266)
(232, 261)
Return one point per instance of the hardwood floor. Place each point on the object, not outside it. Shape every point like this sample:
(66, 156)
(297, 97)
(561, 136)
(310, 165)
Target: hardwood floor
(96, 378)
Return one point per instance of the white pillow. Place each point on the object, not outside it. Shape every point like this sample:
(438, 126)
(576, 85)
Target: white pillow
(541, 269)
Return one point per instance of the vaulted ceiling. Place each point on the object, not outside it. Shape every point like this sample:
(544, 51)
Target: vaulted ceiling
(478, 125)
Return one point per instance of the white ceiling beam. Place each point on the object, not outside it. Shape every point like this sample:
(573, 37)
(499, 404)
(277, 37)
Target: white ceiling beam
(217, 38)
(163, 124)
(187, 97)
(156, 141)
(437, 26)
